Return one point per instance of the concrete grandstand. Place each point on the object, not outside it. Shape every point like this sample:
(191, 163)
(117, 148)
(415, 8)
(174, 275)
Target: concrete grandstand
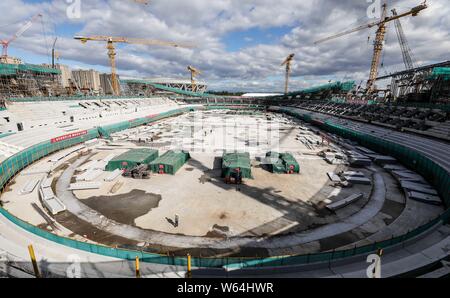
(403, 208)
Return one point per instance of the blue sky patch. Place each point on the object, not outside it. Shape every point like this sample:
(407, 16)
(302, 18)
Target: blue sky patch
(237, 40)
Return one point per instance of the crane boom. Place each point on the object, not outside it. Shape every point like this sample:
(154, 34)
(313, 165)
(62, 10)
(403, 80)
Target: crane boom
(406, 51)
(379, 39)
(152, 42)
(6, 43)
(110, 41)
(287, 62)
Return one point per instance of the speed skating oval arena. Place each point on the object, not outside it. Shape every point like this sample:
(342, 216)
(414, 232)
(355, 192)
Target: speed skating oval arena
(245, 187)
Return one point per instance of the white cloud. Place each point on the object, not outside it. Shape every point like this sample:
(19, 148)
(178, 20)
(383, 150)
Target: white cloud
(253, 68)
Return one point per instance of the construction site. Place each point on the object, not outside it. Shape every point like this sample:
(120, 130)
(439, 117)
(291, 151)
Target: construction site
(157, 177)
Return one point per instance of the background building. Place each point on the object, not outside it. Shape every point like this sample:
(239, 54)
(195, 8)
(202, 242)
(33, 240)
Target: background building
(66, 75)
(106, 83)
(87, 81)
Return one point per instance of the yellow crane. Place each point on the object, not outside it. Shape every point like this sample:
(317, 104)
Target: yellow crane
(379, 38)
(287, 62)
(194, 72)
(110, 41)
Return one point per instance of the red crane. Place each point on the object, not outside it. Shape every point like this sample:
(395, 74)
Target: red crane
(5, 42)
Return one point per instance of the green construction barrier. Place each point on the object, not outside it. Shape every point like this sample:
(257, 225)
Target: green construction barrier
(14, 69)
(170, 162)
(132, 158)
(235, 162)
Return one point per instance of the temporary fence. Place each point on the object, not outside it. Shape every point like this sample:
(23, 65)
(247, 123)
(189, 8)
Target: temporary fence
(170, 162)
(438, 177)
(132, 158)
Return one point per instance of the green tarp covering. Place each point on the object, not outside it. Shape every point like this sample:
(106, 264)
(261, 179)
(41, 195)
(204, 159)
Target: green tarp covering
(170, 162)
(440, 72)
(132, 158)
(12, 69)
(234, 162)
(281, 162)
(341, 86)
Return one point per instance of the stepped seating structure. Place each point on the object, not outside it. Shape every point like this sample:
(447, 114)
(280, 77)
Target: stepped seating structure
(427, 121)
(432, 151)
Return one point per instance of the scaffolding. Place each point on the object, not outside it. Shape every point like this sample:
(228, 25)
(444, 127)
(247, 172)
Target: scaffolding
(27, 80)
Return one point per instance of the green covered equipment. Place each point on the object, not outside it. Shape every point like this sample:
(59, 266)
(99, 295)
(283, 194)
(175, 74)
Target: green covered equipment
(170, 162)
(282, 163)
(236, 162)
(132, 158)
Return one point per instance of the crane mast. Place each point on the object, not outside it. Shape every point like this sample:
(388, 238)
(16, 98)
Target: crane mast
(194, 72)
(377, 49)
(287, 62)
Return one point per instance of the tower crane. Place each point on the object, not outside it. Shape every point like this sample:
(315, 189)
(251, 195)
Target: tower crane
(6, 42)
(406, 50)
(110, 41)
(287, 62)
(379, 38)
(194, 72)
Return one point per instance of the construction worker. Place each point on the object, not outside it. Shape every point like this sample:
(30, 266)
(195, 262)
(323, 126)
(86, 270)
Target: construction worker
(176, 220)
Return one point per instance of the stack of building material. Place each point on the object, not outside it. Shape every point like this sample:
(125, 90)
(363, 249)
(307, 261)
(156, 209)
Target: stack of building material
(360, 161)
(89, 175)
(44, 169)
(49, 200)
(113, 175)
(84, 185)
(406, 175)
(414, 186)
(29, 186)
(46, 182)
(418, 187)
(65, 153)
(100, 165)
(365, 150)
(383, 159)
(342, 203)
(92, 142)
(333, 177)
(356, 177)
(423, 197)
(357, 180)
(88, 165)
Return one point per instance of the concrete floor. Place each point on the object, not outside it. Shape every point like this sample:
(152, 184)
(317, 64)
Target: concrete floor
(269, 204)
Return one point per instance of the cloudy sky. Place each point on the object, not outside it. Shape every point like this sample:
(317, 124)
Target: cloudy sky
(240, 44)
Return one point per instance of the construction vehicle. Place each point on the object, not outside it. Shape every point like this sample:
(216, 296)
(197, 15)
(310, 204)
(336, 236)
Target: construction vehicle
(287, 62)
(138, 172)
(6, 42)
(194, 72)
(110, 41)
(379, 38)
